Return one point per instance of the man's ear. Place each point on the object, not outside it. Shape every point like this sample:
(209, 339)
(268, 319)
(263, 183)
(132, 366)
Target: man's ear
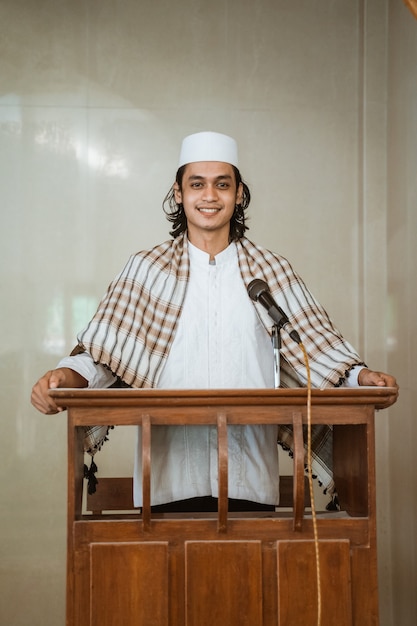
(239, 194)
(177, 193)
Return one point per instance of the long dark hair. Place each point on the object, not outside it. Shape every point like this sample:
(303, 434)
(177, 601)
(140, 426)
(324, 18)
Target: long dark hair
(176, 215)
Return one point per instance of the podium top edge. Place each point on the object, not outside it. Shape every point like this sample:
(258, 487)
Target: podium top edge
(361, 395)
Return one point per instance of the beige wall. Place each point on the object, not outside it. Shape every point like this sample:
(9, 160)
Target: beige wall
(402, 298)
(94, 100)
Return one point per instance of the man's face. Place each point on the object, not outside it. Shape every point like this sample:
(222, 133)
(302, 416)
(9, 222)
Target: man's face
(209, 197)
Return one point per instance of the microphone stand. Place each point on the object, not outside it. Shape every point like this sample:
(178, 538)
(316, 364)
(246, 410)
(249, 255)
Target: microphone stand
(276, 344)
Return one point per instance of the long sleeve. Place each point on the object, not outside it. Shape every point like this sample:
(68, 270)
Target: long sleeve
(97, 375)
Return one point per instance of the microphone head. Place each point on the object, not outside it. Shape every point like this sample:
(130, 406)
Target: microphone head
(256, 287)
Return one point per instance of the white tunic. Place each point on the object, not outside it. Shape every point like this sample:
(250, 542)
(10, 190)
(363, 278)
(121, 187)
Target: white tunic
(220, 343)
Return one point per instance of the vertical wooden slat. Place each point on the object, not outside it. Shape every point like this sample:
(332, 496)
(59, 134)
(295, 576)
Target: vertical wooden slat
(75, 478)
(222, 471)
(146, 472)
(298, 484)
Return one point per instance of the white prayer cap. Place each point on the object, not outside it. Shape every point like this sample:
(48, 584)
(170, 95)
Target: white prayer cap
(208, 146)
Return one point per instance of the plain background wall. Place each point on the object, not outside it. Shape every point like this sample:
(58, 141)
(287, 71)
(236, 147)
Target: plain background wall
(95, 97)
(402, 296)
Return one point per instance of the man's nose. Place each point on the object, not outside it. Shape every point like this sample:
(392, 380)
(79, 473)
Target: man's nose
(210, 193)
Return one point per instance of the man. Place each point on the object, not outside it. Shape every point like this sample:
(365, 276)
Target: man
(179, 316)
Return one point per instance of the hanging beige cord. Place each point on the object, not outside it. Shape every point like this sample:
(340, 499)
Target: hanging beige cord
(412, 5)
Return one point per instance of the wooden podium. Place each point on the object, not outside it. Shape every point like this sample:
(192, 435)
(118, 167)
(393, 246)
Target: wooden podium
(226, 569)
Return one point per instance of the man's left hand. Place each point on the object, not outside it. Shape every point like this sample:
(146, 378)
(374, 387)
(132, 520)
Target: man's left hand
(369, 378)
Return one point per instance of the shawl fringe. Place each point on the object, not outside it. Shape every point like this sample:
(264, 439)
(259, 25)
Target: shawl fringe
(343, 379)
(90, 476)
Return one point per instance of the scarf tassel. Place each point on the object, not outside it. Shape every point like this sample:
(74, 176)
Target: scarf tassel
(90, 476)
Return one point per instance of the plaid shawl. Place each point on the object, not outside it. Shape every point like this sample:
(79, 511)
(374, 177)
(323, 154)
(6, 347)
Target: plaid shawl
(133, 328)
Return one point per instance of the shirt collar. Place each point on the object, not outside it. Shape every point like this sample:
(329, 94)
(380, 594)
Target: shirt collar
(200, 257)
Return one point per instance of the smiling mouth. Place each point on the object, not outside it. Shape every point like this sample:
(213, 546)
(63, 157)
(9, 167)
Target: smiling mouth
(208, 210)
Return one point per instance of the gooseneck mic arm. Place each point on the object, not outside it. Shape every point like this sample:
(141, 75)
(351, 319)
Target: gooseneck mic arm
(276, 345)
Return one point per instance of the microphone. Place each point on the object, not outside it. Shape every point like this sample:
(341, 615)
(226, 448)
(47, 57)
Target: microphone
(258, 291)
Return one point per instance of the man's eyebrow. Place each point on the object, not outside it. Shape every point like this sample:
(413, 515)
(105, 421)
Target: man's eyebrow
(199, 177)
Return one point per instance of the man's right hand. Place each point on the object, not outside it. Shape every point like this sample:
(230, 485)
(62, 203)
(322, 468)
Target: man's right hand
(60, 377)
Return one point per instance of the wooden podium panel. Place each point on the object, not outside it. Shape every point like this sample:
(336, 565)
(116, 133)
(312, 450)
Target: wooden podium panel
(231, 569)
(218, 569)
(134, 578)
(297, 571)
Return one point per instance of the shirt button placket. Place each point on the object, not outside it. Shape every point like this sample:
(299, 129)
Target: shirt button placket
(214, 328)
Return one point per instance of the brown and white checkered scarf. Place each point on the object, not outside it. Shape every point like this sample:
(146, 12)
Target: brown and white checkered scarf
(135, 323)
